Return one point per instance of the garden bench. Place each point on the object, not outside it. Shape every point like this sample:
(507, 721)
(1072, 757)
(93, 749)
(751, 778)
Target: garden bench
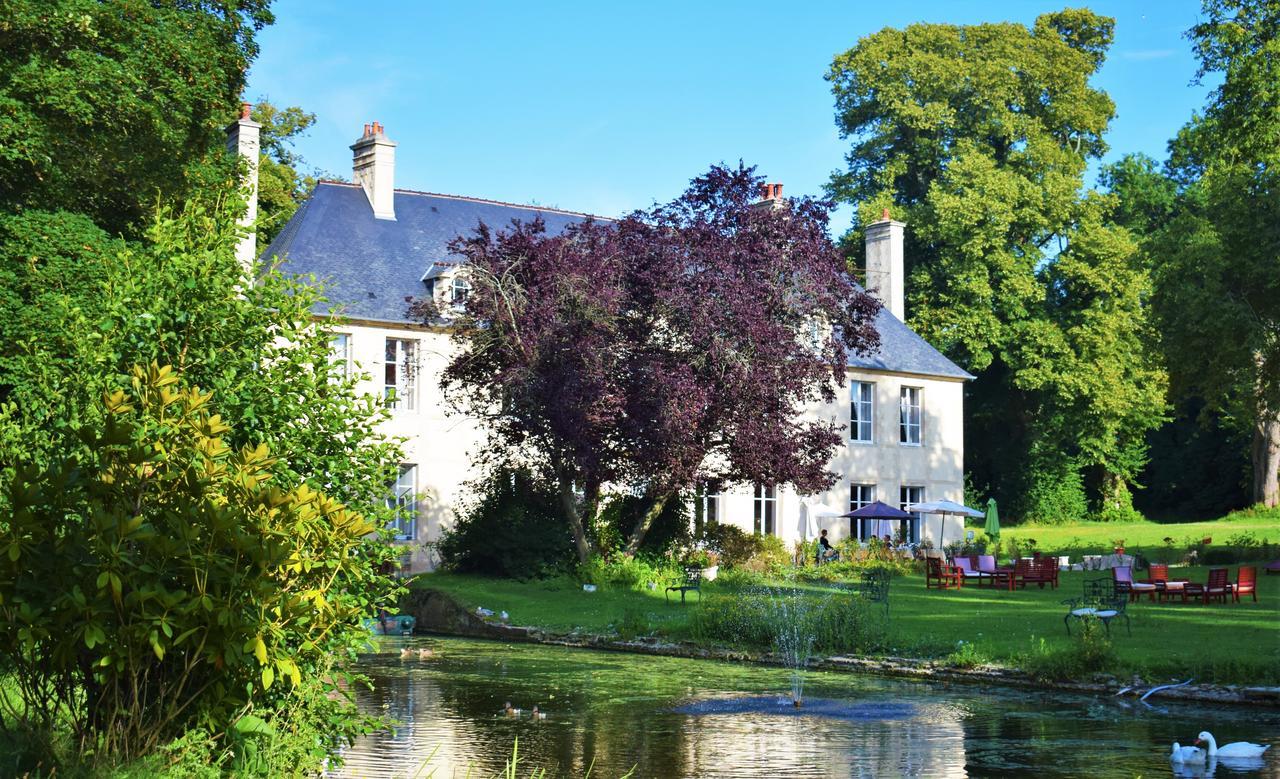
(1100, 601)
(692, 582)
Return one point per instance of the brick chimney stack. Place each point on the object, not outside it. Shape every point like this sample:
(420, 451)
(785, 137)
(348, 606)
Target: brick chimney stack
(885, 265)
(373, 167)
(770, 196)
(243, 138)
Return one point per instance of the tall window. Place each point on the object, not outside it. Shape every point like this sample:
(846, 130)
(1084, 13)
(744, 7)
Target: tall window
(401, 374)
(910, 417)
(766, 509)
(909, 496)
(862, 495)
(459, 291)
(403, 502)
(706, 504)
(860, 411)
(340, 353)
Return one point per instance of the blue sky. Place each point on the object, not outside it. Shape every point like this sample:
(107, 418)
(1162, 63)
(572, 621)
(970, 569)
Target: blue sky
(606, 107)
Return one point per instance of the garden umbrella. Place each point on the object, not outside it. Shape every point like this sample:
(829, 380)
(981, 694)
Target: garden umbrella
(943, 508)
(876, 510)
(992, 527)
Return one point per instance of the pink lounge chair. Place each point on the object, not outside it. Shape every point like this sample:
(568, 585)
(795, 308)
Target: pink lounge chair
(1123, 576)
(966, 567)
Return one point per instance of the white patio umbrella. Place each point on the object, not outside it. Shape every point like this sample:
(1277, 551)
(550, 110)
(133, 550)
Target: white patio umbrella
(944, 508)
(811, 513)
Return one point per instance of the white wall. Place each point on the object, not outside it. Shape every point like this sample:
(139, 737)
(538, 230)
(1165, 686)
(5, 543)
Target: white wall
(937, 464)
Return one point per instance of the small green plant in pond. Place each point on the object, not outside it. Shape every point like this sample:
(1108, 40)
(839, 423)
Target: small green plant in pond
(635, 623)
(1089, 652)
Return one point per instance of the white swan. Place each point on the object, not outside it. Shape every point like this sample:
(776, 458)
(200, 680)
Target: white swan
(1183, 754)
(1236, 749)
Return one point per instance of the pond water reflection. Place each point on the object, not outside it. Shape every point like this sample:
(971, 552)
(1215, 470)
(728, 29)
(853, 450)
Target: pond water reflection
(668, 717)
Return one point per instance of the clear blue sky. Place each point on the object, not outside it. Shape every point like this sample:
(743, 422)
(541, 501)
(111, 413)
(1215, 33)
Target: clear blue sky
(606, 107)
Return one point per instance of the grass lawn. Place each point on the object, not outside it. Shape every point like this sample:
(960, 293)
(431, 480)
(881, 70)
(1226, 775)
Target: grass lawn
(1238, 643)
(1097, 537)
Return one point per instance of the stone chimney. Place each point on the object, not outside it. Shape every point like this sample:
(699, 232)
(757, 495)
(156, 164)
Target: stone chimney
(884, 264)
(243, 139)
(373, 167)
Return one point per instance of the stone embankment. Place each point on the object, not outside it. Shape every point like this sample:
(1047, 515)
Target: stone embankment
(438, 612)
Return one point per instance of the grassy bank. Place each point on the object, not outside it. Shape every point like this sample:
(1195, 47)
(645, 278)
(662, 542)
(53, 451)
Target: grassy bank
(1097, 537)
(1236, 643)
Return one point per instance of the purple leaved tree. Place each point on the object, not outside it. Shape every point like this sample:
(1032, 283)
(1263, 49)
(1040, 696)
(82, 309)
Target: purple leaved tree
(674, 345)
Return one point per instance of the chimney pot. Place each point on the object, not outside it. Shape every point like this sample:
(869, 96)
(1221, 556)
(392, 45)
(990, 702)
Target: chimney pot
(884, 214)
(777, 191)
(766, 191)
(244, 110)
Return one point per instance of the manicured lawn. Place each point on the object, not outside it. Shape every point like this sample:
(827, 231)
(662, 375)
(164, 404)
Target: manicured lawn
(1233, 643)
(1097, 537)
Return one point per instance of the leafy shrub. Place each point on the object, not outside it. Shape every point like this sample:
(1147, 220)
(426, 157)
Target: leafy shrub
(670, 529)
(193, 586)
(1089, 652)
(509, 527)
(634, 573)
(634, 623)
(734, 546)
(839, 622)
(1056, 495)
(771, 556)
(966, 655)
(1219, 556)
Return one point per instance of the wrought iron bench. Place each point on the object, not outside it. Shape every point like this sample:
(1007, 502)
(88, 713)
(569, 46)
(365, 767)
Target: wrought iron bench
(692, 582)
(1101, 600)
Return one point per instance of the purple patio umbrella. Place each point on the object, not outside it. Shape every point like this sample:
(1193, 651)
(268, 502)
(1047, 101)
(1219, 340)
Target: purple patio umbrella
(875, 510)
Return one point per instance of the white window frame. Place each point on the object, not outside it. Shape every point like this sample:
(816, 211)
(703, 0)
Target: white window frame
(911, 416)
(907, 498)
(459, 284)
(862, 401)
(765, 510)
(403, 503)
(861, 494)
(707, 496)
(400, 374)
(340, 352)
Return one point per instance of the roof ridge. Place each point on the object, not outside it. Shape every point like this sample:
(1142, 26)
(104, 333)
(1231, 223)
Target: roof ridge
(470, 199)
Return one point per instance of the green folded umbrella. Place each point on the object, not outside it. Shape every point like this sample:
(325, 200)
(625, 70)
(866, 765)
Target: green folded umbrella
(992, 527)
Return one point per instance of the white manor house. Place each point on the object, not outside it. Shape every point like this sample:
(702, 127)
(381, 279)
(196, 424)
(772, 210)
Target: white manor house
(374, 246)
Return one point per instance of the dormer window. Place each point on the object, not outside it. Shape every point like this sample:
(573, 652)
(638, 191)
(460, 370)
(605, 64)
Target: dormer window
(459, 291)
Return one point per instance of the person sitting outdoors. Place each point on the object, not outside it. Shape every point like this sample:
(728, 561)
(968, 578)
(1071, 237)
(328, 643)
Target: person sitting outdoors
(826, 552)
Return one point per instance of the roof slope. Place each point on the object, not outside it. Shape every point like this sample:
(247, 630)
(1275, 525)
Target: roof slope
(369, 266)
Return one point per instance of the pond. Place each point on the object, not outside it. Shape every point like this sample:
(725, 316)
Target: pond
(667, 717)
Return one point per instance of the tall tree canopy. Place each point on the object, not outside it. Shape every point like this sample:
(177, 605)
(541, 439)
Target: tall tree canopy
(674, 345)
(979, 137)
(1218, 259)
(105, 107)
(283, 183)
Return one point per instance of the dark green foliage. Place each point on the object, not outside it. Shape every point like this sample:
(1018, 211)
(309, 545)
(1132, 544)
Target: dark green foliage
(670, 530)
(1199, 467)
(734, 546)
(510, 528)
(106, 108)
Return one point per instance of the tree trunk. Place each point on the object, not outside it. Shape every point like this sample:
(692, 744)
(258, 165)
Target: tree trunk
(656, 505)
(1266, 459)
(569, 504)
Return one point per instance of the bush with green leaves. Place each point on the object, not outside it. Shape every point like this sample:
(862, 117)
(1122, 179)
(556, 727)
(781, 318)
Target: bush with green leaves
(838, 621)
(509, 527)
(1089, 652)
(636, 573)
(735, 546)
(194, 585)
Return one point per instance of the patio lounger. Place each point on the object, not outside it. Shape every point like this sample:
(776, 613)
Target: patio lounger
(969, 570)
(1123, 577)
(938, 573)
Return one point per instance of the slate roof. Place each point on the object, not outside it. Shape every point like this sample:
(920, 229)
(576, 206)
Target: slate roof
(370, 265)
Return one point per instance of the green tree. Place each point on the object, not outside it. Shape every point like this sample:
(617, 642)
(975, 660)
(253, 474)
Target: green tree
(979, 136)
(107, 107)
(282, 182)
(1218, 291)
